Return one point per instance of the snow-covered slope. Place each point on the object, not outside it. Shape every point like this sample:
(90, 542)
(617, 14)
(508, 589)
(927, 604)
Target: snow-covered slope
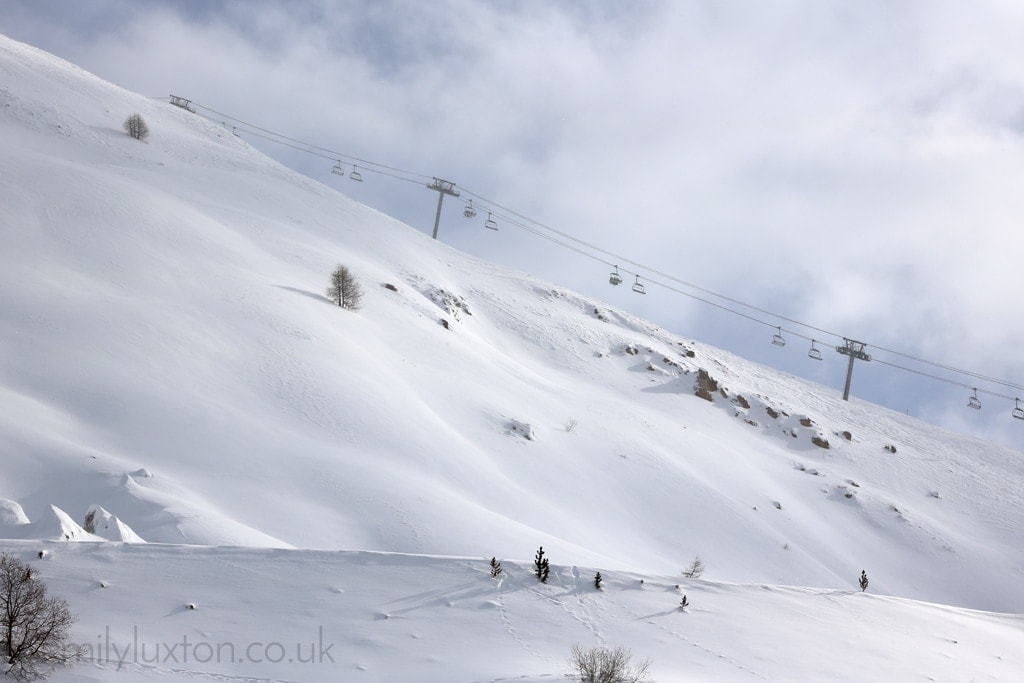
(167, 355)
(156, 612)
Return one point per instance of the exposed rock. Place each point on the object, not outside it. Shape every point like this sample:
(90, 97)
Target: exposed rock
(451, 303)
(819, 442)
(706, 385)
(522, 429)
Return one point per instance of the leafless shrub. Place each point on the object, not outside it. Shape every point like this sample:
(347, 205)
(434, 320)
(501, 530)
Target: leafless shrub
(695, 569)
(344, 290)
(605, 665)
(33, 627)
(136, 126)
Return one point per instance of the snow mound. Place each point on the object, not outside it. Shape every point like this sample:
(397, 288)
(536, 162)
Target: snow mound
(102, 523)
(11, 513)
(57, 525)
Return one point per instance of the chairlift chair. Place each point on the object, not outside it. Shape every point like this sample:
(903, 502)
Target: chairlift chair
(973, 401)
(469, 211)
(356, 175)
(777, 338)
(615, 278)
(637, 287)
(1018, 412)
(338, 169)
(814, 352)
(489, 223)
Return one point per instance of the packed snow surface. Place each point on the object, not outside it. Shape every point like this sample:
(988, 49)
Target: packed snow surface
(204, 447)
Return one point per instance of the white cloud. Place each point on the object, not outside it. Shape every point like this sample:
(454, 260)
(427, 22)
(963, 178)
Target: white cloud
(855, 166)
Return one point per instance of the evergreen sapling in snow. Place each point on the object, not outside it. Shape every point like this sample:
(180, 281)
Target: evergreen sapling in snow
(863, 581)
(597, 580)
(540, 565)
(495, 567)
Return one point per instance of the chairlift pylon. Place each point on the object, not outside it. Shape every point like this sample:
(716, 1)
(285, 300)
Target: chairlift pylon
(356, 175)
(338, 169)
(615, 278)
(1018, 412)
(637, 287)
(469, 211)
(489, 223)
(814, 352)
(777, 338)
(973, 402)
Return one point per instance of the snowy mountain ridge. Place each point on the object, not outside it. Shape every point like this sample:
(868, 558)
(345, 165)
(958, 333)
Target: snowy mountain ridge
(172, 376)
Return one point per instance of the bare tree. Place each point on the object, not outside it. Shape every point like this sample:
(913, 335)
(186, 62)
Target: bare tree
(695, 569)
(135, 126)
(344, 290)
(33, 627)
(603, 665)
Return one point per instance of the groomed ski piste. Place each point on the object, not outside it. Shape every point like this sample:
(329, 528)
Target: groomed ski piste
(277, 489)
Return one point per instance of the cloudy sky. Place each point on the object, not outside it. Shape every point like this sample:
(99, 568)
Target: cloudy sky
(841, 168)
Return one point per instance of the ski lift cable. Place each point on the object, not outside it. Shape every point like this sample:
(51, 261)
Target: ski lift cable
(511, 221)
(374, 167)
(331, 158)
(947, 380)
(519, 224)
(950, 368)
(647, 269)
(310, 146)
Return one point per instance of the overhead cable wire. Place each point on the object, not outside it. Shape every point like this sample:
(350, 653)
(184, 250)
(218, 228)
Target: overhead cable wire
(512, 217)
(308, 145)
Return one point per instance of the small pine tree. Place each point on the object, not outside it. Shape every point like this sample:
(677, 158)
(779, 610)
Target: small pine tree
(136, 127)
(597, 580)
(495, 567)
(863, 580)
(684, 603)
(540, 565)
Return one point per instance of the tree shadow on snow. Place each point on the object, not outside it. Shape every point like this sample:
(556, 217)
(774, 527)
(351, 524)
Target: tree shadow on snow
(304, 292)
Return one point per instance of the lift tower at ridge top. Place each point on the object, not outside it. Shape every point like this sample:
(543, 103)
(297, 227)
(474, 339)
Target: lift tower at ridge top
(855, 350)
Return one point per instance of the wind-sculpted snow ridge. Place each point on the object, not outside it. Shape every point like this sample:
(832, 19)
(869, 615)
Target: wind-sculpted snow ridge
(172, 359)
